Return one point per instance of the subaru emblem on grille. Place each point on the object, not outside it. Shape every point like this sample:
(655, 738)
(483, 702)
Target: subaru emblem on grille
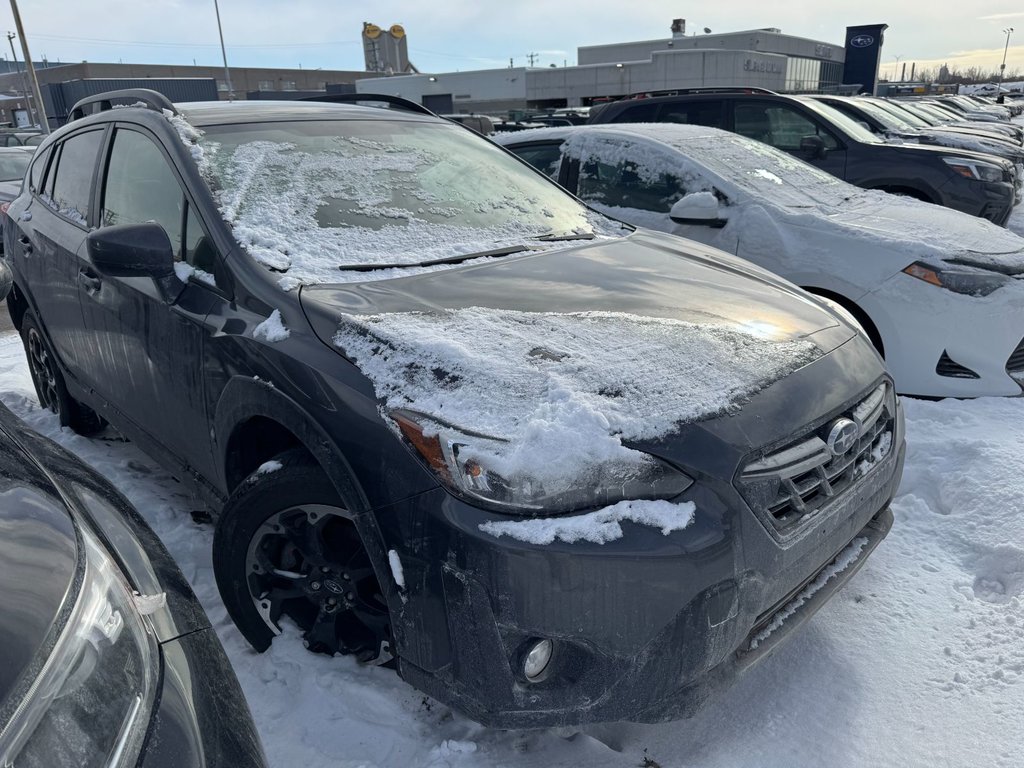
(842, 436)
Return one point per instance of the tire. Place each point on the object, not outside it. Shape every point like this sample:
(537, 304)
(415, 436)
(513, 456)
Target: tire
(285, 546)
(49, 382)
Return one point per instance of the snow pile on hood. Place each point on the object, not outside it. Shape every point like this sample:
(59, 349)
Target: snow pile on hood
(565, 390)
(598, 527)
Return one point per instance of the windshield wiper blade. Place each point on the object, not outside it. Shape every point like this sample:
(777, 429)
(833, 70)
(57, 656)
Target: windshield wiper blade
(554, 237)
(506, 251)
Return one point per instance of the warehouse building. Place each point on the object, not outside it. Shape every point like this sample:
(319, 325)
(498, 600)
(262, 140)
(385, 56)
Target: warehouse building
(764, 58)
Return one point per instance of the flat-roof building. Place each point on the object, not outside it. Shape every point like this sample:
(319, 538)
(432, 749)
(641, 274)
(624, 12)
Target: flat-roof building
(764, 58)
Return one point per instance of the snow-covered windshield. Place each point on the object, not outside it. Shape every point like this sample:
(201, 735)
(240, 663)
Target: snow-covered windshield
(307, 197)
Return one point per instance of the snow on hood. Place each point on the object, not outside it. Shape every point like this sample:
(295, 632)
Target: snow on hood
(565, 390)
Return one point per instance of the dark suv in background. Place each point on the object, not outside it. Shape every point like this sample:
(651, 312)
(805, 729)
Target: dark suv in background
(975, 183)
(271, 299)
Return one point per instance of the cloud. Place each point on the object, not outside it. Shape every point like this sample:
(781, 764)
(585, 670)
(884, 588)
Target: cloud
(1001, 16)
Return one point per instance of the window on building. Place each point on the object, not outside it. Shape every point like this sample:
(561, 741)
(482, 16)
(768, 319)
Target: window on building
(266, 85)
(287, 85)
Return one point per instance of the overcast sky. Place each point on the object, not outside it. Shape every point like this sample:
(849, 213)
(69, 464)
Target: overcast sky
(446, 35)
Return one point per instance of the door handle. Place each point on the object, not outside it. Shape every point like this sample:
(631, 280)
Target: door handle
(89, 280)
(26, 245)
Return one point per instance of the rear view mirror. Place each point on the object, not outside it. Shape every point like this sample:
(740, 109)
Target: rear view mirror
(812, 147)
(6, 279)
(697, 208)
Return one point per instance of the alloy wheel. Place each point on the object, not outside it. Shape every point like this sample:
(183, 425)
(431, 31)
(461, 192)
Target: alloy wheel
(308, 563)
(43, 374)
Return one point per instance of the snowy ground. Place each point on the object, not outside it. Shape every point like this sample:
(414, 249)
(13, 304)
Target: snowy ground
(918, 662)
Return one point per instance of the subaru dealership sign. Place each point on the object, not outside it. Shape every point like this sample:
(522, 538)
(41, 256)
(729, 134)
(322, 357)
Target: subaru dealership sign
(863, 54)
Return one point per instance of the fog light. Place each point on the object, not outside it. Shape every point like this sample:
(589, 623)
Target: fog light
(537, 659)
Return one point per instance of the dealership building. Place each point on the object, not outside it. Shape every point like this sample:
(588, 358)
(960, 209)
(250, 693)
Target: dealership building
(764, 58)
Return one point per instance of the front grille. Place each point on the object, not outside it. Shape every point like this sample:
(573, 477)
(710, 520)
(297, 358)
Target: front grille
(793, 483)
(1015, 363)
(950, 368)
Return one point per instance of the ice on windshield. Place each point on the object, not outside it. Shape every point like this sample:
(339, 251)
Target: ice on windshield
(566, 390)
(304, 198)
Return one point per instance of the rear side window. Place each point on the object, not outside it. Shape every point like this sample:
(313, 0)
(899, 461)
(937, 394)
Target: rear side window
(35, 175)
(778, 124)
(627, 185)
(641, 113)
(546, 158)
(707, 113)
(72, 178)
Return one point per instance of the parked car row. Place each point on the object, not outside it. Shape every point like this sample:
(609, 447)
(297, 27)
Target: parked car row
(449, 418)
(978, 183)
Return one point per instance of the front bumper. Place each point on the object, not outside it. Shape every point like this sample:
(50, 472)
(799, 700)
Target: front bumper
(645, 627)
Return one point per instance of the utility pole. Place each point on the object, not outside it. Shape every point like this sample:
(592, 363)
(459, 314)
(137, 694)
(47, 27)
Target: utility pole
(17, 68)
(44, 123)
(1002, 67)
(223, 51)
(532, 57)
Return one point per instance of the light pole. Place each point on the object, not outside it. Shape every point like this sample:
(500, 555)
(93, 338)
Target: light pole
(17, 66)
(896, 69)
(1002, 67)
(223, 51)
(44, 123)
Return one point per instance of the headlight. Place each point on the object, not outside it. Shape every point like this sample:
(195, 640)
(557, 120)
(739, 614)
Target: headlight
(970, 282)
(90, 703)
(973, 169)
(477, 466)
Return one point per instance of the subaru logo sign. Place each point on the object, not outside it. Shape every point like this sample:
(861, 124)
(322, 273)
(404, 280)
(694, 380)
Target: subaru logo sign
(862, 41)
(842, 436)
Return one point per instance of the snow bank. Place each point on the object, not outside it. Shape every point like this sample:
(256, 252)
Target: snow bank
(271, 329)
(564, 390)
(598, 527)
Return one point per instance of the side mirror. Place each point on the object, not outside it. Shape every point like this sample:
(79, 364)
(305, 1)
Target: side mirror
(697, 208)
(813, 147)
(6, 279)
(135, 250)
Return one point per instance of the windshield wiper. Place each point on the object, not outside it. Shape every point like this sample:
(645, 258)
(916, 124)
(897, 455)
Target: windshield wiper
(554, 237)
(506, 251)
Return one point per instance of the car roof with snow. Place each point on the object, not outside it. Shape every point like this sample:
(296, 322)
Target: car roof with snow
(200, 113)
(674, 135)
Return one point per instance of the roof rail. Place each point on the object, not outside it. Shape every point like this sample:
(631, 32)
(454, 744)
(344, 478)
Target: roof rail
(150, 99)
(710, 89)
(354, 98)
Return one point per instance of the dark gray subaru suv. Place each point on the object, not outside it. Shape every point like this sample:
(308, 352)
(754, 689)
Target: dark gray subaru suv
(552, 469)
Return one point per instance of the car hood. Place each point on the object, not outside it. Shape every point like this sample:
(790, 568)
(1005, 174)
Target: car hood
(954, 152)
(923, 231)
(647, 274)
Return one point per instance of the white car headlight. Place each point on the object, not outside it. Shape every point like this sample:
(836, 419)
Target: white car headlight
(470, 465)
(971, 282)
(91, 700)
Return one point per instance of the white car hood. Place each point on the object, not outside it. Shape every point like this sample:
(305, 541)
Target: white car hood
(928, 231)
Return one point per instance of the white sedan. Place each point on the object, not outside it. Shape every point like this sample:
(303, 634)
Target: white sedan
(940, 293)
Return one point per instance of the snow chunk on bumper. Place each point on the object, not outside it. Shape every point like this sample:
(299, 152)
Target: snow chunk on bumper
(564, 390)
(598, 527)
